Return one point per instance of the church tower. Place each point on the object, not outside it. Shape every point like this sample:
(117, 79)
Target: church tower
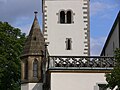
(66, 27)
(32, 58)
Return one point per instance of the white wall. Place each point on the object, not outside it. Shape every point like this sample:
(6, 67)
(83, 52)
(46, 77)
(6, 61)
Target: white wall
(24, 87)
(57, 33)
(31, 86)
(76, 81)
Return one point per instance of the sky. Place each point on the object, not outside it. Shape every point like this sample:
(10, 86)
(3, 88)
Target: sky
(19, 13)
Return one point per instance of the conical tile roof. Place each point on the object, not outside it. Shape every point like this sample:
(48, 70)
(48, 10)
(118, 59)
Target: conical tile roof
(34, 44)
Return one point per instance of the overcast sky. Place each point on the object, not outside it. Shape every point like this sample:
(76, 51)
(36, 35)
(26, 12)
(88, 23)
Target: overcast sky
(19, 13)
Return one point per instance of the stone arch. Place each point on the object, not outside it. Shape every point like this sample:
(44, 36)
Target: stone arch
(35, 68)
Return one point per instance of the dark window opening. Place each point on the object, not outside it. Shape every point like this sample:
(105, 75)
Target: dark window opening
(102, 87)
(68, 44)
(113, 46)
(35, 68)
(62, 17)
(34, 38)
(26, 70)
(69, 17)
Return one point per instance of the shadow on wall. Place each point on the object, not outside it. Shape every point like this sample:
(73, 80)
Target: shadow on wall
(38, 86)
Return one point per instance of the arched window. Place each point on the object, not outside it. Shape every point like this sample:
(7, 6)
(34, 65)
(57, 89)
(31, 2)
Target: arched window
(65, 16)
(69, 17)
(26, 70)
(62, 17)
(35, 68)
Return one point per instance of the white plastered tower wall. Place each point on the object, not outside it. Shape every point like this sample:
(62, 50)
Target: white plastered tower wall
(55, 34)
(77, 81)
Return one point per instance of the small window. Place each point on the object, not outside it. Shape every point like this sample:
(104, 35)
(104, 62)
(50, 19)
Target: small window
(35, 68)
(62, 17)
(68, 44)
(69, 17)
(34, 38)
(26, 70)
(102, 87)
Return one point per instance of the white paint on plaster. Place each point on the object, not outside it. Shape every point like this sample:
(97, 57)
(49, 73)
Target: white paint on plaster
(57, 33)
(77, 81)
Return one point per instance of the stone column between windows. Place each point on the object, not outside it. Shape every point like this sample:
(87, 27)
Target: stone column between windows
(30, 70)
(39, 68)
(22, 70)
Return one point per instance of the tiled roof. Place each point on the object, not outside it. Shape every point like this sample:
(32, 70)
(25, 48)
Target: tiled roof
(34, 44)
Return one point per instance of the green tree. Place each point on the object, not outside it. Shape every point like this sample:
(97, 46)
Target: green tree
(113, 78)
(11, 45)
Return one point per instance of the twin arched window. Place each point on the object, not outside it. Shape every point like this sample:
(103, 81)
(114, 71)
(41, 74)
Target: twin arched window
(35, 68)
(66, 17)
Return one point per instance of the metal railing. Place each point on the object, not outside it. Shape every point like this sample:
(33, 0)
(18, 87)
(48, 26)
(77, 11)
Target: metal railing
(80, 62)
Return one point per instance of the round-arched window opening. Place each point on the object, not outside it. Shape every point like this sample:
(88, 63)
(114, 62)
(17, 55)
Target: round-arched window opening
(34, 38)
(69, 17)
(35, 68)
(62, 17)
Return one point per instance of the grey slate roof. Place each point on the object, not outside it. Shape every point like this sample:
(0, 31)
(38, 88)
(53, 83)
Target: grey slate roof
(34, 44)
(117, 20)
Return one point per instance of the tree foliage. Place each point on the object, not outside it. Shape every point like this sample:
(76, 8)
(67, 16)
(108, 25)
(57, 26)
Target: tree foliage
(113, 78)
(11, 45)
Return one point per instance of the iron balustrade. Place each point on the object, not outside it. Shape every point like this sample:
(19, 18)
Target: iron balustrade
(81, 62)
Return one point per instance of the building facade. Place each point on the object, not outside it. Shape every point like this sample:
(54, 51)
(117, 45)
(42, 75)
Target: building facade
(66, 27)
(58, 58)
